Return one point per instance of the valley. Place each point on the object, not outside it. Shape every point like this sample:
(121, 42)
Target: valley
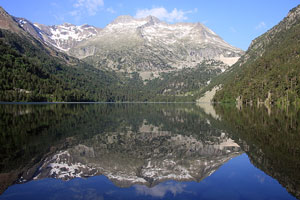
(146, 59)
(128, 60)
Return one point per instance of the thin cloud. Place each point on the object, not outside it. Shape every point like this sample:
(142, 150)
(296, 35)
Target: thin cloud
(232, 29)
(163, 14)
(110, 10)
(89, 6)
(74, 13)
(160, 190)
(261, 25)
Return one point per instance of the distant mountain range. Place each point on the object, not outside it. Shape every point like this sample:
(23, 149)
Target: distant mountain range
(148, 44)
(130, 44)
(137, 44)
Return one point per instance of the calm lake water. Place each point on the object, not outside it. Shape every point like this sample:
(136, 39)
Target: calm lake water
(148, 151)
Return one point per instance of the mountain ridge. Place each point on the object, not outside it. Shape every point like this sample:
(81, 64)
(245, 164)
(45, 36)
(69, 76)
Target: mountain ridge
(130, 44)
(7, 22)
(66, 35)
(174, 46)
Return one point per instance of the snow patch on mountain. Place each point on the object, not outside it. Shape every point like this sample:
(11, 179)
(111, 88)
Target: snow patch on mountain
(66, 36)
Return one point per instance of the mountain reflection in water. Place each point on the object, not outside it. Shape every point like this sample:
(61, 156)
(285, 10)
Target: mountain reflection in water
(147, 156)
(148, 148)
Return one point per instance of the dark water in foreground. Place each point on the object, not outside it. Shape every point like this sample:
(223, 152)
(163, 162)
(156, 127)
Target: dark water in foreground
(148, 151)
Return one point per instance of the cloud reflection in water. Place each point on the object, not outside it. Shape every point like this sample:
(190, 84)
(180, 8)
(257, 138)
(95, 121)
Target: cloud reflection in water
(160, 190)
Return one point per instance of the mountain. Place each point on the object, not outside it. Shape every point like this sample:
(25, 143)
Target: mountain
(62, 37)
(7, 22)
(31, 70)
(149, 45)
(269, 71)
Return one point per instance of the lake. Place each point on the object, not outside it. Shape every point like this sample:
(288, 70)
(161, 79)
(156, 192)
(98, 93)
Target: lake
(148, 151)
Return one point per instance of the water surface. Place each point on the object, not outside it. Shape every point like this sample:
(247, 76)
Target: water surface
(148, 151)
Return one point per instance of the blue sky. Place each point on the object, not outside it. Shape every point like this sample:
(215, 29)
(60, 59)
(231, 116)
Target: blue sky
(237, 21)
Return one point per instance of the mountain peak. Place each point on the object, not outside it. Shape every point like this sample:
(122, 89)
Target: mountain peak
(152, 19)
(294, 15)
(67, 24)
(3, 12)
(7, 22)
(295, 10)
(150, 45)
(127, 18)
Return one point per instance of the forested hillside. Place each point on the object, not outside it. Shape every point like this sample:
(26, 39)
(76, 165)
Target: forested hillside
(270, 69)
(30, 73)
(186, 83)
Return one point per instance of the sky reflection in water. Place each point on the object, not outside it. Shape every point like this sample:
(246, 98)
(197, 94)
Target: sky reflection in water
(144, 151)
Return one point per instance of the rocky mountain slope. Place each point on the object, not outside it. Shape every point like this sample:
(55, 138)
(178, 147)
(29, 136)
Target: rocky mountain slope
(129, 44)
(7, 22)
(31, 70)
(269, 70)
(143, 45)
(63, 37)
